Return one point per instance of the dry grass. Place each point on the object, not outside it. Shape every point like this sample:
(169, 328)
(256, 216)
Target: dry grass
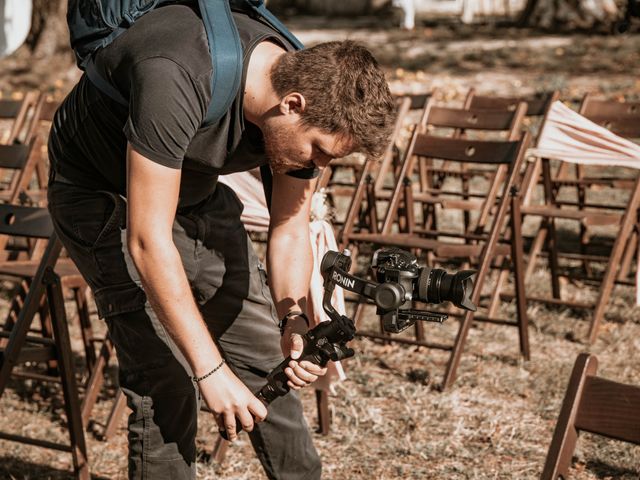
(496, 422)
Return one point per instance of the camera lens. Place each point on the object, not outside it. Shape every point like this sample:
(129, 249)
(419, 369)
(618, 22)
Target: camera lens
(435, 285)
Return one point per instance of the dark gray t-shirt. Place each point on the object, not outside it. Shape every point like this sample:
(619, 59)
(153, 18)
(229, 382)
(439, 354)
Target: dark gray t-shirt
(162, 65)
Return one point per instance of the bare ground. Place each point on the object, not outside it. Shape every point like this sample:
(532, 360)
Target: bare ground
(389, 420)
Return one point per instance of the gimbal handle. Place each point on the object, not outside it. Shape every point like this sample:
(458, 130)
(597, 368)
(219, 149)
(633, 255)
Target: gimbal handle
(326, 341)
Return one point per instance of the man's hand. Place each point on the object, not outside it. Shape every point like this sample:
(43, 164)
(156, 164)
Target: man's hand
(303, 373)
(231, 401)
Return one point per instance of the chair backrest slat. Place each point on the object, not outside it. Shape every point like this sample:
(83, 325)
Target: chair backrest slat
(609, 108)
(537, 105)
(622, 118)
(10, 108)
(25, 221)
(611, 409)
(48, 111)
(418, 100)
(471, 119)
(624, 125)
(460, 150)
(14, 157)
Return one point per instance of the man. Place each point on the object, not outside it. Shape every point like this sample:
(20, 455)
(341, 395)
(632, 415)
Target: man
(173, 273)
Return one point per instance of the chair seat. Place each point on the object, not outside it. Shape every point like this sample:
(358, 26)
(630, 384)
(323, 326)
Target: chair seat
(65, 268)
(36, 196)
(439, 247)
(585, 216)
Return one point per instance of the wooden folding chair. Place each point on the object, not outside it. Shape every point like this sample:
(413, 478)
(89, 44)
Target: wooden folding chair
(16, 118)
(376, 183)
(340, 178)
(25, 176)
(506, 158)
(591, 404)
(22, 272)
(23, 347)
(458, 123)
(538, 106)
(624, 120)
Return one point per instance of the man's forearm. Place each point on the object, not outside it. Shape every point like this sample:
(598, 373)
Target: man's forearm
(168, 291)
(289, 263)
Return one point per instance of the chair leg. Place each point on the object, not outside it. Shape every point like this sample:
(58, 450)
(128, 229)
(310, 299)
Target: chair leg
(85, 327)
(95, 381)
(536, 248)
(518, 271)
(118, 409)
(630, 250)
(47, 331)
(324, 416)
(27, 312)
(552, 239)
(627, 224)
(419, 331)
(584, 233)
(503, 275)
(14, 309)
(71, 398)
(565, 435)
(219, 450)
(456, 352)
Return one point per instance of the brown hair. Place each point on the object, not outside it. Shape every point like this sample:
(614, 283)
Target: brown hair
(345, 92)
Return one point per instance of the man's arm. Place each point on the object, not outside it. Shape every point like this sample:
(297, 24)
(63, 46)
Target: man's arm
(152, 191)
(289, 265)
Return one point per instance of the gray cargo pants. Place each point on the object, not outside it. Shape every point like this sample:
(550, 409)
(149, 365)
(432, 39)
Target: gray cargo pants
(229, 285)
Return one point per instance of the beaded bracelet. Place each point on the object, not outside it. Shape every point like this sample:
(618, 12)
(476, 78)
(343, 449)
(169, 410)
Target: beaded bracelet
(199, 379)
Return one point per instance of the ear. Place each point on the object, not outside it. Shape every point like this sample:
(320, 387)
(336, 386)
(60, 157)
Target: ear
(293, 102)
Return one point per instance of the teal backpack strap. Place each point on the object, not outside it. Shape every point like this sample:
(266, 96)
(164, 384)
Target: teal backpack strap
(259, 7)
(226, 56)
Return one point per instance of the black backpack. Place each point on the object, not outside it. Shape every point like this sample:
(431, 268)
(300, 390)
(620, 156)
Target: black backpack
(94, 24)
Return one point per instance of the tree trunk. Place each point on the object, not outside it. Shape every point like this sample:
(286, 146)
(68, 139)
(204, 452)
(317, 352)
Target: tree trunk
(49, 33)
(569, 14)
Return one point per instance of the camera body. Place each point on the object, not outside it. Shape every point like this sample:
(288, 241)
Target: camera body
(426, 284)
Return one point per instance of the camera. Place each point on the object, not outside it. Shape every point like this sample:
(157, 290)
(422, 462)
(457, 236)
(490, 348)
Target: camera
(401, 281)
(426, 284)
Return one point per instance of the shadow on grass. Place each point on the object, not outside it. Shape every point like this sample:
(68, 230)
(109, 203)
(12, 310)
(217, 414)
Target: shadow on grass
(604, 470)
(11, 467)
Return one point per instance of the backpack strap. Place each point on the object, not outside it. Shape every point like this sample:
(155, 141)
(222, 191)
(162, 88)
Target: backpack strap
(267, 184)
(103, 85)
(226, 56)
(259, 7)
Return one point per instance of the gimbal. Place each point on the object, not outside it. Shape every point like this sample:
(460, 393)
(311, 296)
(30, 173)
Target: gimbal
(401, 282)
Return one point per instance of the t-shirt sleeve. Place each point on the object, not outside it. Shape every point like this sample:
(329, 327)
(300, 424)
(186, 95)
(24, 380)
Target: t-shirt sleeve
(166, 108)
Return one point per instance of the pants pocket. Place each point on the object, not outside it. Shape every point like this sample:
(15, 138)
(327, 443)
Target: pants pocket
(90, 225)
(266, 293)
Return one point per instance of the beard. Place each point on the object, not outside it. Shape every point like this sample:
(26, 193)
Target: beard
(280, 148)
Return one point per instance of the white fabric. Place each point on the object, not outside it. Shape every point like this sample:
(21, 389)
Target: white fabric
(256, 218)
(15, 23)
(323, 240)
(409, 13)
(570, 137)
(255, 215)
